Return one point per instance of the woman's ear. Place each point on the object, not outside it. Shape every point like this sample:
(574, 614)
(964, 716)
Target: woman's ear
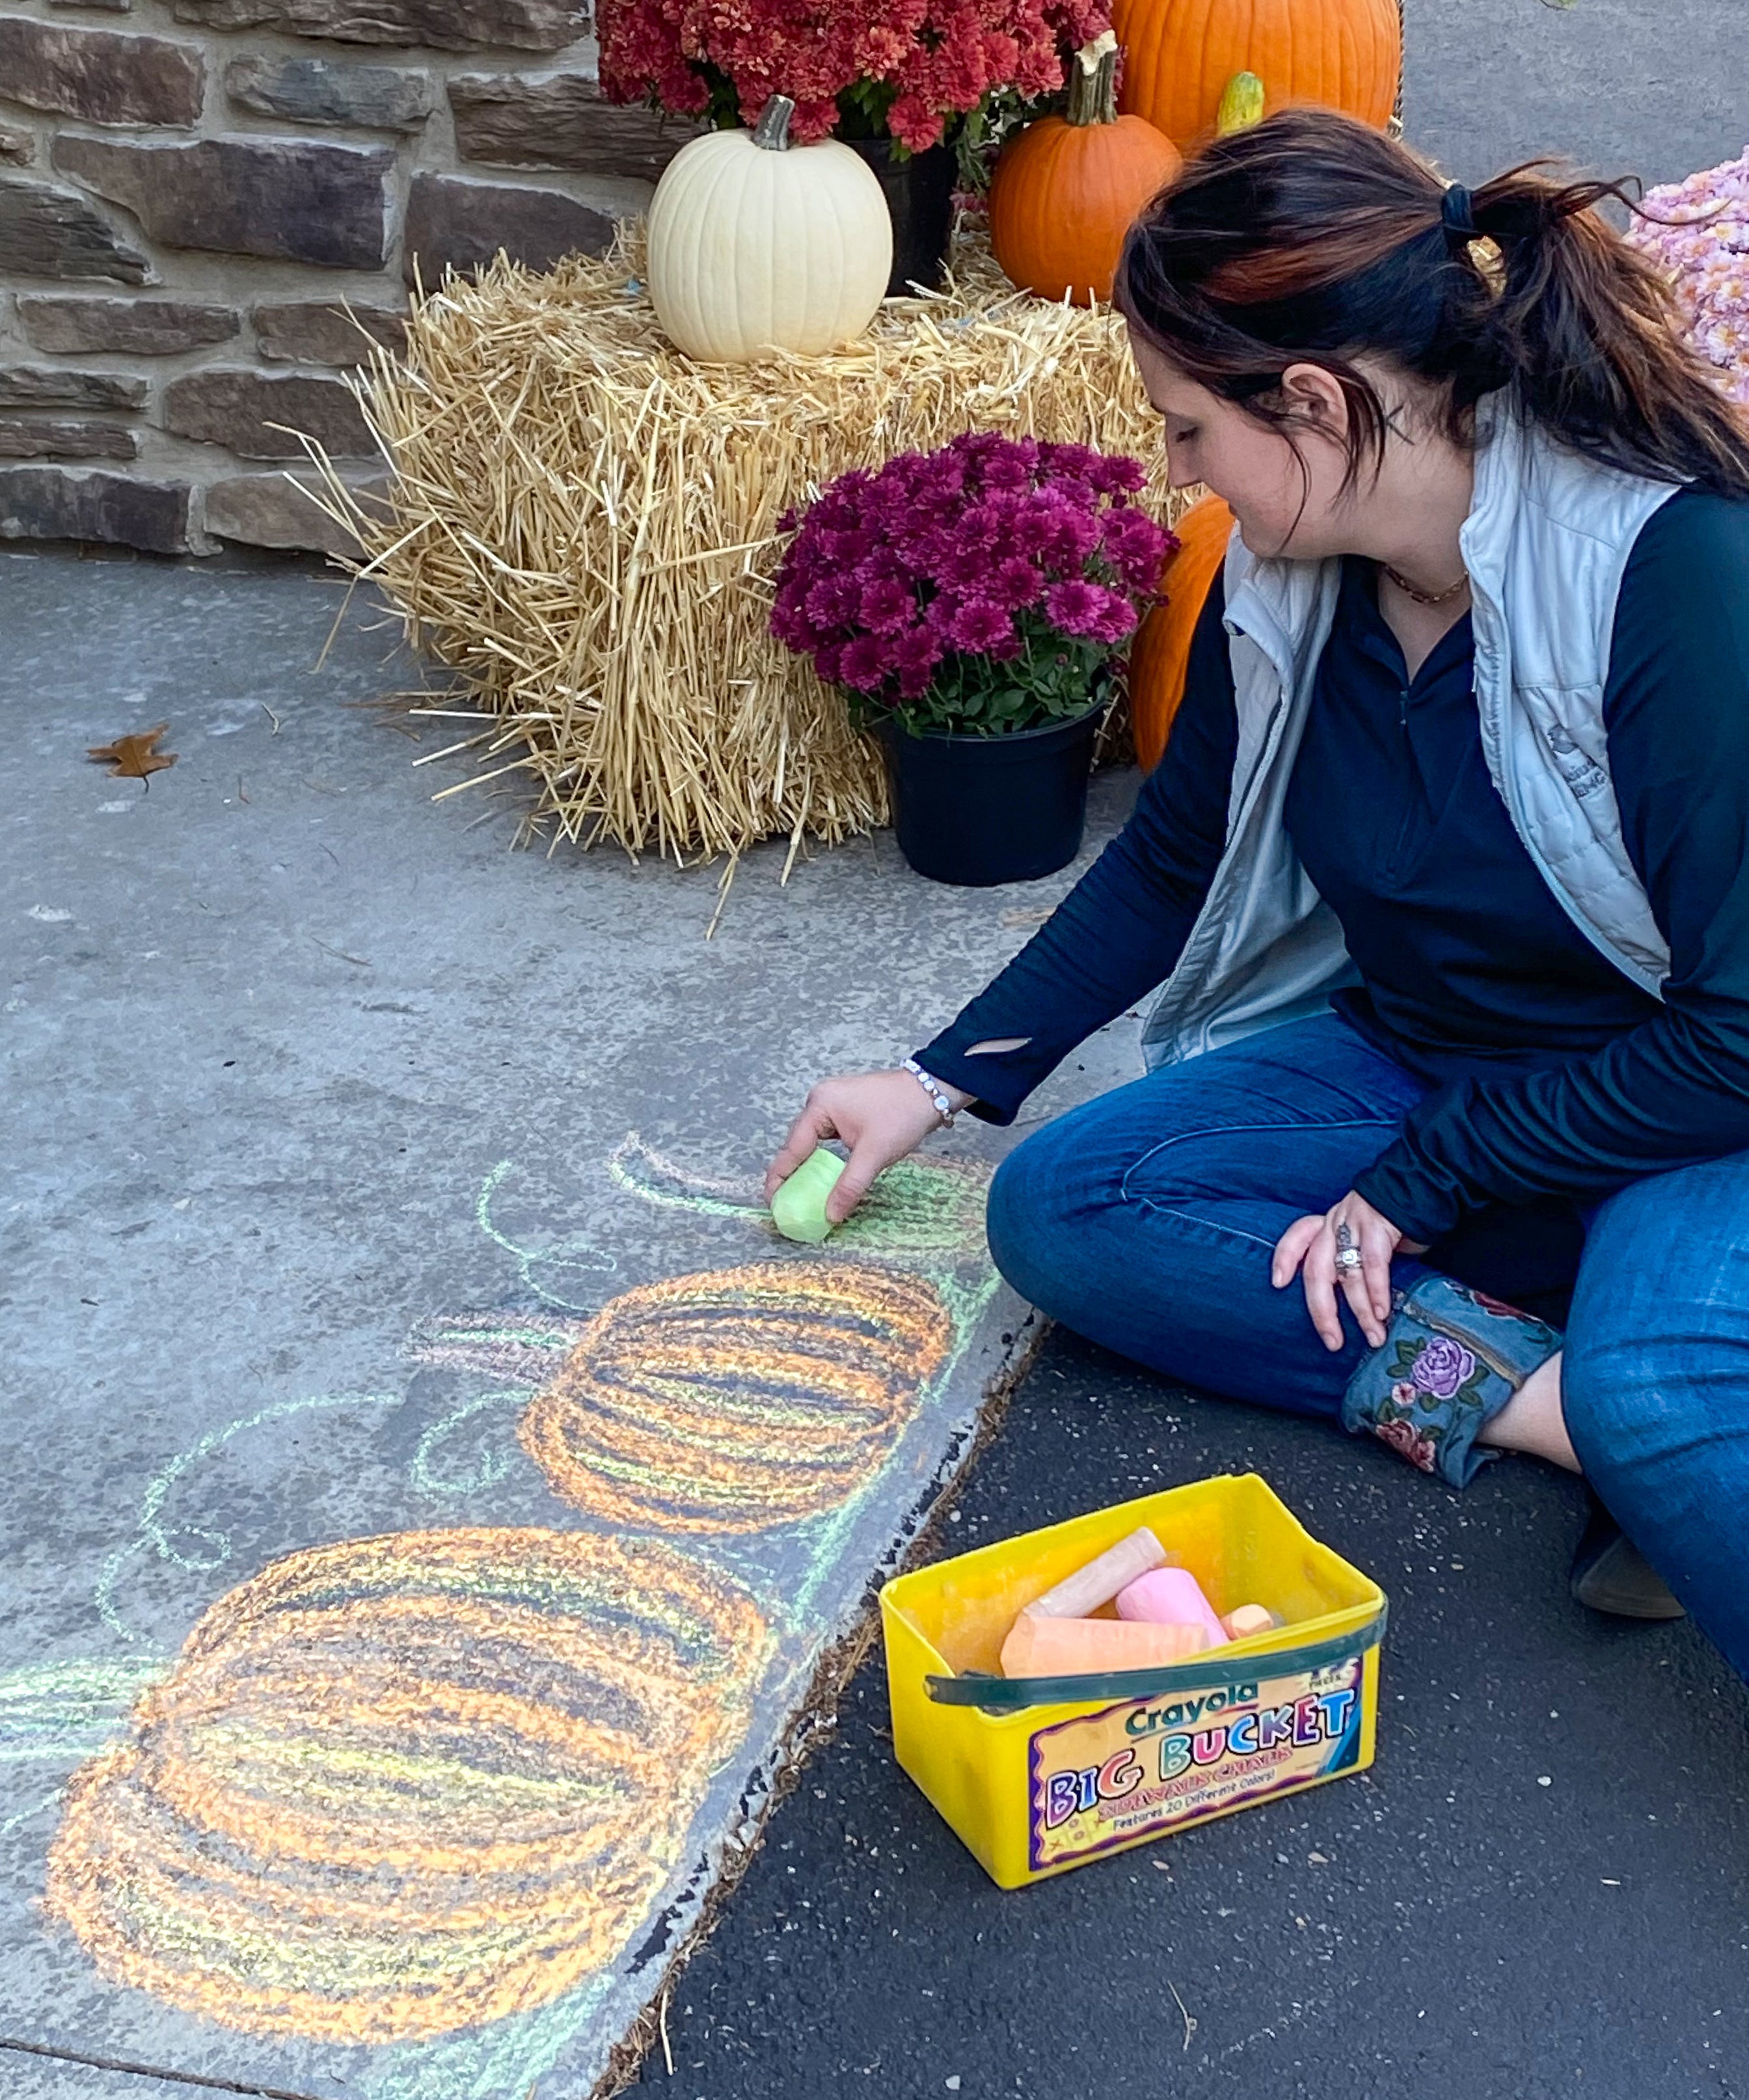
(1313, 397)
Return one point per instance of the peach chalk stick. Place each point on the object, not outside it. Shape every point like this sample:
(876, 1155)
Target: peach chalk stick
(1171, 1596)
(1072, 1647)
(1099, 1582)
(1249, 1619)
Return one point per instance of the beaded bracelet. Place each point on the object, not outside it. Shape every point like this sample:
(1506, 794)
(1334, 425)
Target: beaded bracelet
(942, 1106)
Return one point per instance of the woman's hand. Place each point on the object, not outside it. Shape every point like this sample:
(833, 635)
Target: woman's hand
(1309, 1247)
(881, 1116)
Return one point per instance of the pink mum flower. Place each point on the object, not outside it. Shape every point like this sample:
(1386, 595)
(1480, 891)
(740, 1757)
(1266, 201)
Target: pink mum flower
(1705, 256)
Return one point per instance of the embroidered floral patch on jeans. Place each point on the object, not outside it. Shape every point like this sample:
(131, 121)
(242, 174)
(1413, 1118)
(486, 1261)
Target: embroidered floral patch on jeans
(1452, 1359)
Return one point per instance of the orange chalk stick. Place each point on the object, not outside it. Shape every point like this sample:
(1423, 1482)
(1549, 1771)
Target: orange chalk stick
(1249, 1619)
(1072, 1647)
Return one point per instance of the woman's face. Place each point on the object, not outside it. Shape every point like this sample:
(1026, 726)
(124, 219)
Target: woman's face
(1283, 504)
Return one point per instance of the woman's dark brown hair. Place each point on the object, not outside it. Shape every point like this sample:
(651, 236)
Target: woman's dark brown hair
(1313, 238)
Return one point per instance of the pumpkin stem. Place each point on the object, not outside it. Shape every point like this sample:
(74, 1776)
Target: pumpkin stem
(1242, 101)
(772, 131)
(1092, 82)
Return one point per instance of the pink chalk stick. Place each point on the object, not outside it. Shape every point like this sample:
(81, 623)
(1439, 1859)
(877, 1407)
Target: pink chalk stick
(1249, 1619)
(1072, 1647)
(1171, 1596)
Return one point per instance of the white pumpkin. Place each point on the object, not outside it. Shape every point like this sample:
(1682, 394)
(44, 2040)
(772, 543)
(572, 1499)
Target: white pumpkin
(756, 245)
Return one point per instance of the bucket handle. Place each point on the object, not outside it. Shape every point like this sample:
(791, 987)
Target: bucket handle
(1011, 1695)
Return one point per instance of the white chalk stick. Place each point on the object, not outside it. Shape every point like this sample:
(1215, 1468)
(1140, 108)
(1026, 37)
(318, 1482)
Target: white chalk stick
(1099, 1582)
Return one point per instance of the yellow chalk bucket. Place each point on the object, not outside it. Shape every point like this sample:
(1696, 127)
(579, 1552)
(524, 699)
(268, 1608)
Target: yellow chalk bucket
(1038, 1775)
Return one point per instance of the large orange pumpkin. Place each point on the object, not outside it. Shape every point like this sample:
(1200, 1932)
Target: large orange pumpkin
(1179, 55)
(1161, 650)
(1066, 189)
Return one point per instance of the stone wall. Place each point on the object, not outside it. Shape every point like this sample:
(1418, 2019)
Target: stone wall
(192, 197)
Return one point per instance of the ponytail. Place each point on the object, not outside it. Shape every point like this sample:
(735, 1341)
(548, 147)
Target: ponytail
(1313, 237)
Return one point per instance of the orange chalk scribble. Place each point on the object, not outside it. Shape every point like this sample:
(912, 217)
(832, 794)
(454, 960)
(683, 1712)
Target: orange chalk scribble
(741, 1398)
(399, 1786)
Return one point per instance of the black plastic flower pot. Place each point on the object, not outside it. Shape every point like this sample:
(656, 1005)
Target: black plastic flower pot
(977, 810)
(919, 192)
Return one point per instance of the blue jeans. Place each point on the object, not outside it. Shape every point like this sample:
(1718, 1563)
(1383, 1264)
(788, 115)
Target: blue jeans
(1146, 1221)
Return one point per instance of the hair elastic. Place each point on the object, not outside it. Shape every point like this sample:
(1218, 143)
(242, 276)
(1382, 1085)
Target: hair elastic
(1457, 214)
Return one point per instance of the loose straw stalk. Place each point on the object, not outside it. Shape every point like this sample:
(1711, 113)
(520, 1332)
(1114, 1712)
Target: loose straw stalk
(583, 524)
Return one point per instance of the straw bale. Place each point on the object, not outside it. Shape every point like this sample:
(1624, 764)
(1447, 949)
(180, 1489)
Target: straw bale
(582, 524)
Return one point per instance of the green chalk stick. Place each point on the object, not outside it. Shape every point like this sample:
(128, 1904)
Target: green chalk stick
(799, 1209)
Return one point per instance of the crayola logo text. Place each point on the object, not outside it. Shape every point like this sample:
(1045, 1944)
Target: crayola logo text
(1184, 1711)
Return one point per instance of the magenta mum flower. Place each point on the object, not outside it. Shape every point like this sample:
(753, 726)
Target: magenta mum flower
(1118, 475)
(982, 526)
(967, 570)
(864, 664)
(846, 548)
(834, 601)
(886, 607)
(1015, 583)
(916, 658)
(980, 626)
(1076, 607)
(975, 551)
(1136, 547)
(1078, 462)
(1007, 470)
(1115, 619)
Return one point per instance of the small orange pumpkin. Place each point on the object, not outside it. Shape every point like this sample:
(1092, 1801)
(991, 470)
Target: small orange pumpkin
(1066, 189)
(1161, 650)
(1179, 55)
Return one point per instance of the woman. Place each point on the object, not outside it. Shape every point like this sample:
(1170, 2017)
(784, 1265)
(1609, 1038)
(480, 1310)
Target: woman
(1444, 871)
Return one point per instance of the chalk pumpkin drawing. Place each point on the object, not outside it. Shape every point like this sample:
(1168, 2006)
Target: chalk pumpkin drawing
(740, 1398)
(409, 1790)
(399, 1786)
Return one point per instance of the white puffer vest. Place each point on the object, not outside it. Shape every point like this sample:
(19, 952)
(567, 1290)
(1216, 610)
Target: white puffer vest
(1546, 543)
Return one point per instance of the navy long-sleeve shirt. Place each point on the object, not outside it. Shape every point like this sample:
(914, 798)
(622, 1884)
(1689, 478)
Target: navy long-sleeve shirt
(1551, 1073)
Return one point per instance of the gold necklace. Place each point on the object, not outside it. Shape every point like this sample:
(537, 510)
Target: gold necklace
(1422, 597)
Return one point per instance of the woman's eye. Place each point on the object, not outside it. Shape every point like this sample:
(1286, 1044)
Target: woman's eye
(1181, 437)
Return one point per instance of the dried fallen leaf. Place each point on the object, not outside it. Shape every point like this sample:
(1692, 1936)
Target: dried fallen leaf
(134, 757)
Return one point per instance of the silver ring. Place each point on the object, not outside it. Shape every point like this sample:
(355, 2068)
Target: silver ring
(1348, 1258)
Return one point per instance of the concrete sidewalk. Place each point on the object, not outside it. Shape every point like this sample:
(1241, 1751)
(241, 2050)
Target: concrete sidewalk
(321, 1106)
